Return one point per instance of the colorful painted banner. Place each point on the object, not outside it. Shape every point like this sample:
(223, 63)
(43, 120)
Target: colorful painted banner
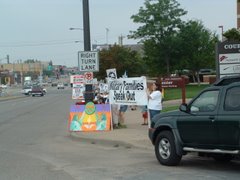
(128, 91)
(90, 117)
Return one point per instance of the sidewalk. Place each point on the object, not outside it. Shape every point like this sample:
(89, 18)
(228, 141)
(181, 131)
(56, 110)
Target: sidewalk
(135, 135)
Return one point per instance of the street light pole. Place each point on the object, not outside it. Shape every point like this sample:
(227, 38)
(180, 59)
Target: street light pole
(86, 26)
(107, 30)
(221, 27)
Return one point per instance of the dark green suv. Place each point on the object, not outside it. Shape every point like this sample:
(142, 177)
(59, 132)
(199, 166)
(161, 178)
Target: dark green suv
(208, 124)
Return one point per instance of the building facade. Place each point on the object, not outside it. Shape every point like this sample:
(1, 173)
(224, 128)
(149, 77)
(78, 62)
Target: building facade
(14, 73)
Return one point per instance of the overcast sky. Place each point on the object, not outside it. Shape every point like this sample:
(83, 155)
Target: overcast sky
(39, 29)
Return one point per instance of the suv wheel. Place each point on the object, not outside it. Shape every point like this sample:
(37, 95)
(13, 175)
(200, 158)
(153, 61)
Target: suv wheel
(165, 149)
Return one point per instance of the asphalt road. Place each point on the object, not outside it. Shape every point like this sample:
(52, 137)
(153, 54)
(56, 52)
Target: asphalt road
(35, 145)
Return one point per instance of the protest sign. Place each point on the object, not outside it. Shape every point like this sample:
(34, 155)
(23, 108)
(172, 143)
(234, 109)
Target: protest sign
(77, 91)
(128, 91)
(90, 117)
(111, 73)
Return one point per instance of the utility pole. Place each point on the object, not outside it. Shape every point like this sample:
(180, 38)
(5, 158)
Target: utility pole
(107, 30)
(120, 40)
(86, 26)
(221, 27)
(8, 61)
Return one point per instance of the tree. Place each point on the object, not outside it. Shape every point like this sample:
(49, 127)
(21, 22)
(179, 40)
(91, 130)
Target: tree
(197, 47)
(232, 34)
(31, 61)
(121, 58)
(160, 21)
(47, 73)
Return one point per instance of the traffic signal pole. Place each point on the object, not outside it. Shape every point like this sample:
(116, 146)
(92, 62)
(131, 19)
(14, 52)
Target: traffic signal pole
(89, 94)
(86, 26)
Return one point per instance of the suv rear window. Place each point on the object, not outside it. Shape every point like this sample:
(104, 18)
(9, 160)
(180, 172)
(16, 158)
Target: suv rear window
(227, 80)
(232, 100)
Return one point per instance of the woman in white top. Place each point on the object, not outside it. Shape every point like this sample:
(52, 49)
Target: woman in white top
(155, 101)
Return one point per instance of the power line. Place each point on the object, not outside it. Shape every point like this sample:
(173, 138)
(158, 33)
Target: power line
(46, 43)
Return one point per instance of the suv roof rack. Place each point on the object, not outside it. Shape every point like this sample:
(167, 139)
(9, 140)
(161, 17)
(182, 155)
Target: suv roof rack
(227, 80)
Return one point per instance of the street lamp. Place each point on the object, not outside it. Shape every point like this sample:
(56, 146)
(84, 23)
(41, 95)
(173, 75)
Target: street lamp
(76, 41)
(221, 27)
(75, 28)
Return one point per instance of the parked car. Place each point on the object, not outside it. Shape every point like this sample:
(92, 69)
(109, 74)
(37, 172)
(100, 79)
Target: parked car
(27, 90)
(60, 86)
(44, 90)
(54, 84)
(37, 90)
(206, 71)
(208, 124)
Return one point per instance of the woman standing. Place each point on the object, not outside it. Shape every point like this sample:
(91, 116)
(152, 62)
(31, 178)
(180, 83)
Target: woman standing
(155, 101)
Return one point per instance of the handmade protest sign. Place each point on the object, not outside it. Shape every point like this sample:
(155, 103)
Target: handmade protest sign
(128, 91)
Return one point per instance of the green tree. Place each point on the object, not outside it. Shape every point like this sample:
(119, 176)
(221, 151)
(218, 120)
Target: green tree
(48, 73)
(121, 58)
(160, 20)
(232, 34)
(31, 61)
(197, 47)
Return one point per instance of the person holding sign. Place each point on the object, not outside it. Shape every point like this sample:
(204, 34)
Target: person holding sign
(154, 101)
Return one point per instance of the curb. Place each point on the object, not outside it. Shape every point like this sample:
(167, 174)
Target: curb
(75, 136)
(99, 141)
(7, 98)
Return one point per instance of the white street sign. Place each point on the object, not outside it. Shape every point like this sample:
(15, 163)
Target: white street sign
(88, 61)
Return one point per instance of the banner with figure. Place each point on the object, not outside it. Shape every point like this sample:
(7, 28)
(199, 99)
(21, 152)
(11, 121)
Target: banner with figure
(128, 91)
(90, 117)
(111, 73)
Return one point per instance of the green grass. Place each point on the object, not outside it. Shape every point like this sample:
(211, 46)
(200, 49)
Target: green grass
(176, 93)
(169, 108)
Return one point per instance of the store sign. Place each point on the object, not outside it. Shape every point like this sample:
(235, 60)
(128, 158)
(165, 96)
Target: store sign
(171, 82)
(175, 82)
(228, 58)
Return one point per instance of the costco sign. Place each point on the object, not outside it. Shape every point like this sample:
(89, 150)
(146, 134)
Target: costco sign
(228, 58)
